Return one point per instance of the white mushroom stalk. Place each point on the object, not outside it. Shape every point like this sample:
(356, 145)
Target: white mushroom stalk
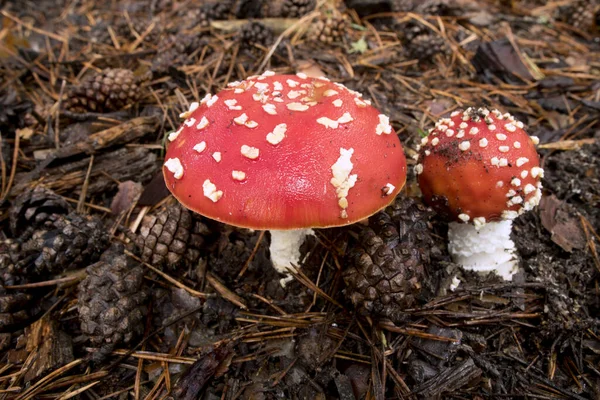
(285, 250)
(484, 249)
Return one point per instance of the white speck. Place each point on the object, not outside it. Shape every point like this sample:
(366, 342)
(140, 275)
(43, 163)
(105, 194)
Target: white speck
(174, 166)
(345, 118)
(343, 202)
(231, 104)
(464, 145)
(238, 175)
(342, 180)
(511, 193)
(278, 99)
(509, 214)
(464, 217)
(241, 120)
(301, 75)
(519, 124)
(234, 84)
(454, 113)
(260, 96)
(535, 140)
(292, 83)
(455, 281)
(515, 182)
(277, 135)
(495, 161)
(474, 131)
(292, 94)
(277, 86)
(193, 107)
(510, 127)
(210, 191)
(427, 152)
(268, 73)
(479, 222)
(217, 156)
(250, 152)
(359, 102)
(522, 161)
(517, 200)
(329, 93)
(504, 149)
(500, 136)
(499, 184)
(202, 124)
(460, 134)
(251, 124)
(212, 100)
(327, 122)
(338, 102)
(262, 87)
(442, 128)
(173, 135)
(450, 132)
(389, 189)
(529, 188)
(297, 106)
(517, 145)
(419, 169)
(463, 125)
(238, 90)
(435, 141)
(384, 125)
(424, 141)
(270, 109)
(503, 162)
(524, 174)
(190, 122)
(200, 147)
(323, 78)
(537, 171)
(483, 142)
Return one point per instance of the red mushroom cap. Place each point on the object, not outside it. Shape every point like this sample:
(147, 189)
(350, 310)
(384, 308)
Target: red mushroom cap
(285, 152)
(479, 166)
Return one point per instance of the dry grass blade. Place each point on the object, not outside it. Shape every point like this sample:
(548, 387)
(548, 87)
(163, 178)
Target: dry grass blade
(225, 292)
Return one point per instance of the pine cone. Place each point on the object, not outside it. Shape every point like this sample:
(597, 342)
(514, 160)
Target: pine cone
(329, 29)
(172, 237)
(255, 33)
(107, 91)
(13, 309)
(436, 7)
(112, 300)
(32, 208)
(425, 47)
(12, 110)
(297, 8)
(387, 267)
(174, 51)
(582, 14)
(212, 11)
(71, 241)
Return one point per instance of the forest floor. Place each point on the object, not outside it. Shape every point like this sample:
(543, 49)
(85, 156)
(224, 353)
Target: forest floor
(203, 316)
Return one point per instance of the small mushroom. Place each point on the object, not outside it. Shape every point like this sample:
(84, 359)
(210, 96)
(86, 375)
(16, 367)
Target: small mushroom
(480, 169)
(295, 153)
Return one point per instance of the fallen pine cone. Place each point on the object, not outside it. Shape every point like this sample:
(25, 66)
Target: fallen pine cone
(387, 267)
(109, 90)
(112, 301)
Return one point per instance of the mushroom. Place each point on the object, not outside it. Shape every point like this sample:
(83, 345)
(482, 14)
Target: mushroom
(480, 169)
(285, 153)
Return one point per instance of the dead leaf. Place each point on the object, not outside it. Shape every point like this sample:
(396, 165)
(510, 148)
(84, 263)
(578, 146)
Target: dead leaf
(127, 195)
(562, 222)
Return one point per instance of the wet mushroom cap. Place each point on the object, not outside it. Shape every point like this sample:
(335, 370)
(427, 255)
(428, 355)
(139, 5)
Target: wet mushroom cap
(285, 152)
(479, 166)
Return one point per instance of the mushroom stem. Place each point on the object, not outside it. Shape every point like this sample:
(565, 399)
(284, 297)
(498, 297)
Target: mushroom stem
(285, 250)
(484, 249)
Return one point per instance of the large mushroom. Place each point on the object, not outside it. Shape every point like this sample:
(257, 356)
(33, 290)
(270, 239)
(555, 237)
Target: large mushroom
(480, 169)
(285, 153)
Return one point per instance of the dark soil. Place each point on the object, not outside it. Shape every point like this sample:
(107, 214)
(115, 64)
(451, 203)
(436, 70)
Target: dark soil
(216, 322)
